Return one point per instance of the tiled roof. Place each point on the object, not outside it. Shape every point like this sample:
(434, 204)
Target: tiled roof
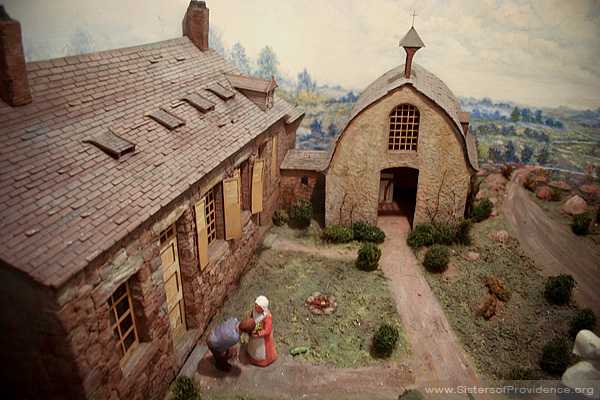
(63, 202)
(306, 160)
(425, 83)
(262, 85)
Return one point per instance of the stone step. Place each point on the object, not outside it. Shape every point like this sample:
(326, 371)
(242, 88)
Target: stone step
(191, 364)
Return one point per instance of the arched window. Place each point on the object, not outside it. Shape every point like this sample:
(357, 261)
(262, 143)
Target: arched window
(404, 128)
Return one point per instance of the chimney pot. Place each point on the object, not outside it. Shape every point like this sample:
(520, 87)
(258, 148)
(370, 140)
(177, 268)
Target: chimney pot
(196, 24)
(14, 86)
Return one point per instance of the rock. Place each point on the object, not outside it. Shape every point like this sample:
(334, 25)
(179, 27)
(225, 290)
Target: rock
(540, 178)
(574, 205)
(501, 237)
(472, 256)
(494, 201)
(590, 189)
(494, 213)
(495, 182)
(543, 192)
(560, 185)
(482, 172)
(479, 196)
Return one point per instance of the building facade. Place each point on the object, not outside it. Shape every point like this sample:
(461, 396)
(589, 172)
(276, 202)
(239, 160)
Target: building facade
(136, 184)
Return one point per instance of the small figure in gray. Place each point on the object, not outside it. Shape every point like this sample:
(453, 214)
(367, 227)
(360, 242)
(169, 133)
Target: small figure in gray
(224, 336)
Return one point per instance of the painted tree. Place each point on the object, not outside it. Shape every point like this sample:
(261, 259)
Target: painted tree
(268, 64)
(515, 115)
(305, 82)
(509, 154)
(543, 156)
(526, 153)
(239, 59)
(215, 42)
(331, 130)
(316, 128)
(526, 115)
(538, 118)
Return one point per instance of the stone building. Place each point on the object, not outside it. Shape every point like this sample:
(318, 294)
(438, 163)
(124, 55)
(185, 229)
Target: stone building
(406, 149)
(135, 186)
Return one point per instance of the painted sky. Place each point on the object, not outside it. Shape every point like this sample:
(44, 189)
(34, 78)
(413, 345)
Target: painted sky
(534, 52)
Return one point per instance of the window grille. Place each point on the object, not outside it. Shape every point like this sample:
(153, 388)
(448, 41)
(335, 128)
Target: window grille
(404, 128)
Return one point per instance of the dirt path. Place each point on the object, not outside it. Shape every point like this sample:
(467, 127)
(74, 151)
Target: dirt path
(552, 245)
(437, 358)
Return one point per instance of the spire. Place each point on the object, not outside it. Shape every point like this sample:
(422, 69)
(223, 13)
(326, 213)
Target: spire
(411, 43)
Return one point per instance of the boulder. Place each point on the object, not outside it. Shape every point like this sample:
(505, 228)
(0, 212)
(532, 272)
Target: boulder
(590, 189)
(494, 213)
(501, 237)
(560, 185)
(540, 178)
(574, 205)
(479, 196)
(543, 192)
(495, 182)
(472, 256)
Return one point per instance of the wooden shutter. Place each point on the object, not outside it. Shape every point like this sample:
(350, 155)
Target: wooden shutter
(232, 208)
(202, 232)
(257, 186)
(274, 159)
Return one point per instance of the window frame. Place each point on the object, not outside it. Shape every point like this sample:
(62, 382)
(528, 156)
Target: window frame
(403, 128)
(210, 216)
(118, 319)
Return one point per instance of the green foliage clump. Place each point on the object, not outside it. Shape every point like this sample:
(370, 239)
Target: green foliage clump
(422, 235)
(337, 234)
(301, 212)
(411, 395)
(186, 388)
(581, 224)
(280, 217)
(367, 233)
(437, 258)
(558, 288)
(556, 356)
(482, 210)
(444, 233)
(584, 319)
(368, 256)
(463, 233)
(385, 339)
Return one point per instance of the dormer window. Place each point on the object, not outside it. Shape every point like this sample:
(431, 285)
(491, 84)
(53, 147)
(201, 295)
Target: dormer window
(260, 91)
(270, 99)
(404, 128)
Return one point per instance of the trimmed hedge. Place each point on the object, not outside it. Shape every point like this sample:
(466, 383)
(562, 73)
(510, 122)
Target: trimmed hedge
(463, 233)
(559, 288)
(301, 212)
(437, 258)
(386, 338)
(280, 217)
(482, 210)
(442, 233)
(368, 233)
(422, 235)
(368, 256)
(584, 319)
(556, 356)
(337, 234)
(581, 224)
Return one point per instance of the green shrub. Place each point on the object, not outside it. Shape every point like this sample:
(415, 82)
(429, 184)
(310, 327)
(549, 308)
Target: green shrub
(556, 356)
(558, 288)
(385, 339)
(367, 233)
(444, 233)
(584, 319)
(463, 233)
(482, 210)
(422, 235)
(581, 224)
(368, 256)
(411, 395)
(301, 212)
(186, 388)
(437, 258)
(521, 378)
(337, 234)
(280, 218)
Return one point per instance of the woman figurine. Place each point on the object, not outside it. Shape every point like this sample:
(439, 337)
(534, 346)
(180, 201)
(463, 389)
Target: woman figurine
(261, 345)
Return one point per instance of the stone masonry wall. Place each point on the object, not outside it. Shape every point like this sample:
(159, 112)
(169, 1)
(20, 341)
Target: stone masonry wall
(292, 189)
(352, 182)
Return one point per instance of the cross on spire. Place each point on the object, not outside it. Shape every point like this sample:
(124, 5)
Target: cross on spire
(414, 14)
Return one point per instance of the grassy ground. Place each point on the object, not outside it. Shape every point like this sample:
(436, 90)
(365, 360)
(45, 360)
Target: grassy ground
(514, 337)
(342, 339)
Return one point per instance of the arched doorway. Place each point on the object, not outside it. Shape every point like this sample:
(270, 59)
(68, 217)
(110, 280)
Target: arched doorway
(398, 192)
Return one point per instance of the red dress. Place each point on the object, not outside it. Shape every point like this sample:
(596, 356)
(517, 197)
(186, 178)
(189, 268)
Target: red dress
(261, 346)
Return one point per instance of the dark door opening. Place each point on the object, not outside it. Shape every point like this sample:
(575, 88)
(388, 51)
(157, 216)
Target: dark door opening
(398, 192)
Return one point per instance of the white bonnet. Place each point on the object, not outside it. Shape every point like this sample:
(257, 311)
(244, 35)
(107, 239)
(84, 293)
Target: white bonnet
(263, 302)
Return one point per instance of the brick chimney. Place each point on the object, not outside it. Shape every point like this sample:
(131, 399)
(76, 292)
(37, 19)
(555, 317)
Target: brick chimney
(195, 24)
(411, 43)
(14, 87)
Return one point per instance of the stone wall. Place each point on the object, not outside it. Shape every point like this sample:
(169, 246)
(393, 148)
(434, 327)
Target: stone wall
(293, 190)
(352, 181)
(71, 349)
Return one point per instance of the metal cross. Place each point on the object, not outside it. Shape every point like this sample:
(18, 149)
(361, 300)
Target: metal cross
(414, 14)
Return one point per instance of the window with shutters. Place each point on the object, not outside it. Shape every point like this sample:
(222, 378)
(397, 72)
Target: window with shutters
(274, 165)
(210, 215)
(404, 128)
(122, 322)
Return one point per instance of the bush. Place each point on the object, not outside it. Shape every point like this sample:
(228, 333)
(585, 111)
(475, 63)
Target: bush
(186, 388)
(553, 195)
(367, 233)
(556, 356)
(386, 338)
(337, 234)
(411, 395)
(368, 256)
(530, 183)
(463, 233)
(584, 319)
(482, 210)
(444, 233)
(437, 258)
(558, 288)
(301, 212)
(506, 171)
(422, 235)
(581, 224)
(280, 218)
